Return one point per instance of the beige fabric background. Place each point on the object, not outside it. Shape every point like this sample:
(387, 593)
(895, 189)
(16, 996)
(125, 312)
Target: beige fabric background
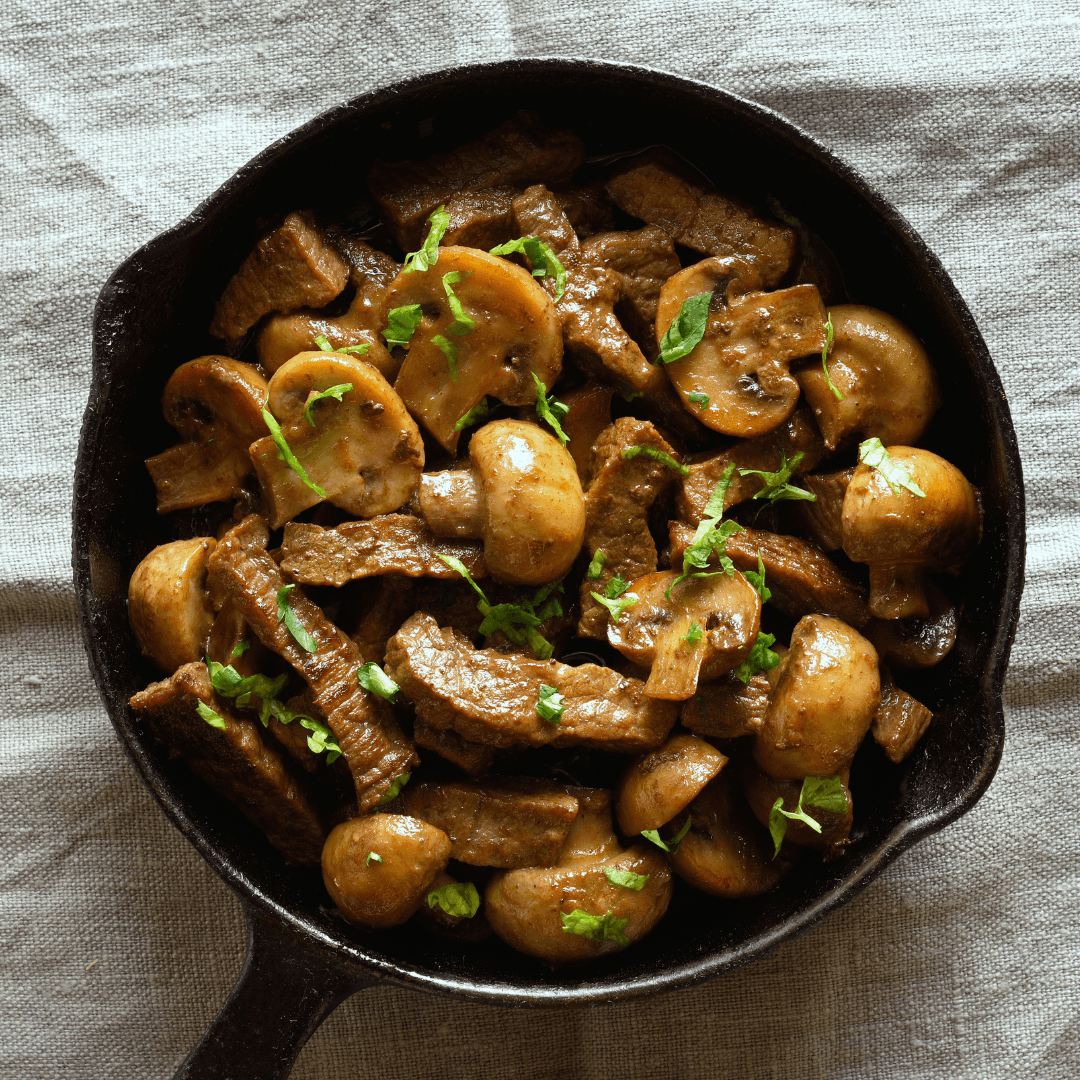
(116, 118)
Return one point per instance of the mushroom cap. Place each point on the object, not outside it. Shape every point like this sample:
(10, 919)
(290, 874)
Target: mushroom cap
(382, 894)
(524, 906)
(365, 451)
(762, 791)
(890, 387)
(652, 633)
(750, 339)
(826, 693)
(533, 506)
(657, 786)
(281, 337)
(517, 334)
(168, 604)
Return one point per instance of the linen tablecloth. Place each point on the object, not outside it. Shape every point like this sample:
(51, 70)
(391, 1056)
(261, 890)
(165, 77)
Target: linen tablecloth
(119, 944)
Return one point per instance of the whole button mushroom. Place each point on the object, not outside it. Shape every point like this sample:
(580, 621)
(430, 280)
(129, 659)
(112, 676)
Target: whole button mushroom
(822, 702)
(168, 604)
(902, 536)
(741, 363)
(762, 791)
(659, 785)
(707, 627)
(216, 404)
(363, 450)
(520, 493)
(889, 387)
(451, 366)
(377, 893)
(534, 910)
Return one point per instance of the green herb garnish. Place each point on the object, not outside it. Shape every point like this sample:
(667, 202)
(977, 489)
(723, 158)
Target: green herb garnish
(211, 717)
(335, 392)
(685, 333)
(551, 704)
(699, 399)
(428, 255)
(463, 322)
(693, 635)
(776, 487)
(240, 648)
(671, 845)
(626, 879)
(826, 793)
(710, 536)
(550, 409)
(372, 857)
(760, 658)
(595, 927)
(373, 679)
(613, 591)
(321, 738)
(477, 412)
(460, 899)
(229, 683)
(449, 350)
(757, 579)
(825, 357)
(324, 344)
(286, 454)
(873, 454)
(544, 261)
(394, 790)
(292, 623)
(596, 565)
(657, 455)
(401, 324)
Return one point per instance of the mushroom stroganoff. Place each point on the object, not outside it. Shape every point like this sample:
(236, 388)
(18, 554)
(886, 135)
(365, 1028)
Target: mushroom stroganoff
(574, 539)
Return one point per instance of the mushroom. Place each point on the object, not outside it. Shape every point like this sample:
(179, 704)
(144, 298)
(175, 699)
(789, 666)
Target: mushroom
(364, 451)
(918, 643)
(822, 702)
(515, 335)
(762, 791)
(657, 786)
(902, 536)
(168, 604)
(656, 630)
(741, 363)
(383, 892)
(520, 493)
(216, 404)
(528, 908)
(889, 387)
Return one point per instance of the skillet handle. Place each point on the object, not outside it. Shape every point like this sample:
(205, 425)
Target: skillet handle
(285, 991)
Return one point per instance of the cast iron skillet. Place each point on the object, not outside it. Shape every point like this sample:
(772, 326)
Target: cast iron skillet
(151, 316)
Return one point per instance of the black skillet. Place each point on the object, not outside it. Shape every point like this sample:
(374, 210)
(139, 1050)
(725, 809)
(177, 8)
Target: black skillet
(151, 316)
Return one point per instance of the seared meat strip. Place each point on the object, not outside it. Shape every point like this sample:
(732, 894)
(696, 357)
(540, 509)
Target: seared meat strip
(659, 188)
(727, 708)
(506, 823)
(480, 219)
(235, 761)
(617, 513)
(387, 544)
(373, 745)
(900, 721)
(490, 698)
(803, 580)
(471, 758)
(293, 267)
(519, 152)
(822, 518)
(587, 207)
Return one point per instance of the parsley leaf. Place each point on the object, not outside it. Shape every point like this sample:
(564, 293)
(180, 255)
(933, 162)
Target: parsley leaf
(671, 845)
(394, 790)
(626, 879)
(460, 899)
(693, 635)
(616, 587)
(321, 738)
(335, 392)
(287, 455)
(208, 714)
(240, 648)
(760, 658)
(757, 579)
(826, 793)
(477, 412)
(699, 399)
(292, 623)
(372, 857)
(401, 324)
(709, 537)
(596, 565)
(550, 409)
(229, 683)
(449, 350)
(428, 255)
(685, 333)
(776, 486)
(544, 261)
(825, 357)
(373, 679)
(323, 342)
(714, 508)
(463, 322)
(873, 454)
(595, 927)
(656, 455)
(551, 704)
(615, 607)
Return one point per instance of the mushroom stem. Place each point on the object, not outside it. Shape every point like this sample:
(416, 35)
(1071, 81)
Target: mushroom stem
(899, 592)
(452, 503)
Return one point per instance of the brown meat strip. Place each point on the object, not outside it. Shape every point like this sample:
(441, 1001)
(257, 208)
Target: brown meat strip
(388, 544)
(661, 189)
(373, 745)
(293, 267)
(480, 219)
(587, 207)
(490, 698)
(519, 152)
(471, 758)
(803, 580)
(235, 761)
(505, 823)
(900, 721)
(727, 709)
(823, 518)
(617, 513)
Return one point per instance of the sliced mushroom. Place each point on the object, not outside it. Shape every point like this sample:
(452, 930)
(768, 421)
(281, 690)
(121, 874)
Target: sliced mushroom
(826, 693)
(918, 643)
(522, 496)
(377, 894)
(762, 791)
(215, 403)
(741, 364)
(515, 336)
(365, 451)
(889, 387)
(659, 785)
(168, 604)
(655, 631)
(902, 537)
(525, 907)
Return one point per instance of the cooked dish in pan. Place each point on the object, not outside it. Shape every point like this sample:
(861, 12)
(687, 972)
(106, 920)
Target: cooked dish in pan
(574, 537)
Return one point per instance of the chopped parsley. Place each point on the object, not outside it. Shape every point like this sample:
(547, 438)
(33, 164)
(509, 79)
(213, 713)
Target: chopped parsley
(394, 790)
(321, 738)
(710, 535)
(292, 623)
(826, 793)
(825, 357)
(449, 350)
(240, 648)
(372, 857)
(776, 487)
(401, 324)
(373, 679)
(544, 261)
(286, 454)
(613, 598)
(657, 455)
(626, 879)
(551, 704)
(685, 333)
(693, 635)
(335, 392)
(477, 412)
(760, 658)
(699, 399)
(550, 410)
(208, 714)
(596, 565)
(459, 898)
(874, 455)
(463, 322)
(229, 683)
(596, 928)
(324, 344)
(671, 845)
(428, 255)
(757, 579)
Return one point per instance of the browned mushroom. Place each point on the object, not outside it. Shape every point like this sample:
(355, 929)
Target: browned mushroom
(762, 791)
(918, 643)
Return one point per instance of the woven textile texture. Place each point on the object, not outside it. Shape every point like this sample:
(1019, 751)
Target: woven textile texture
(963, 959)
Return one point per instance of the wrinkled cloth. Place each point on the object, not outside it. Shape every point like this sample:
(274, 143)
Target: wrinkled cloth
(962, 960)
